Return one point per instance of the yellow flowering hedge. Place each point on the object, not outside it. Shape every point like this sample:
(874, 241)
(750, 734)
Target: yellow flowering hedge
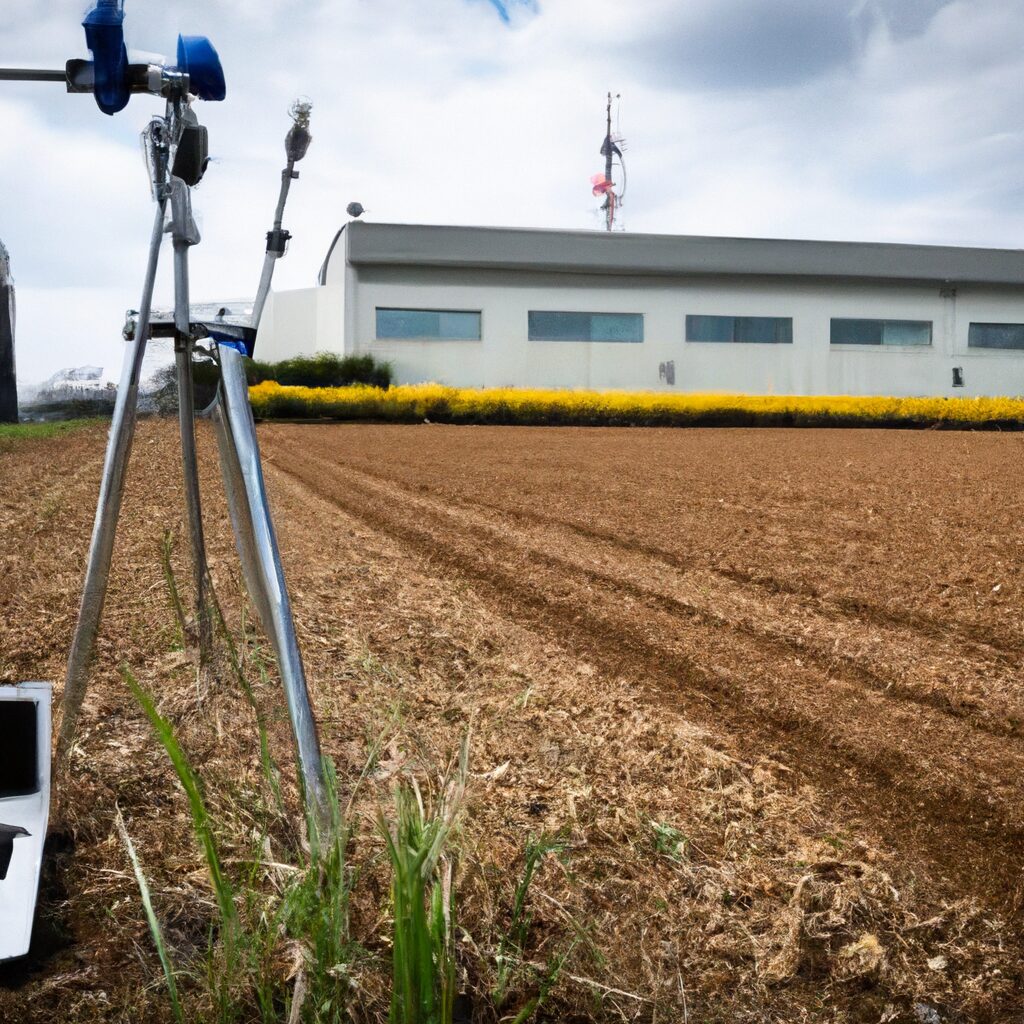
(412, 403)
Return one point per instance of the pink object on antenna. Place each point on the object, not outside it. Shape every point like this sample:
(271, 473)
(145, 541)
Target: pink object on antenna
(601, 184)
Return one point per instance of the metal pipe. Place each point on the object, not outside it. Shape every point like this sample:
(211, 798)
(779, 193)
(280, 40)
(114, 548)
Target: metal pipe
(238, 509)
(108, 508)
(185, 235)
(272, 256)
(269, 580)
(33, 75)
(193, 502)
(264, 289)
(286, 183)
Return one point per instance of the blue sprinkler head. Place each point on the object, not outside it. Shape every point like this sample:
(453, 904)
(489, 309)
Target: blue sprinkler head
(104, 35)
(199, 60)
(114, 79)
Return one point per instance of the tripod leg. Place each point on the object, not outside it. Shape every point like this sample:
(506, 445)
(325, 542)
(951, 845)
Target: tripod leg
(119, 446)
(257, 544)
(193, 503)
(238, 507)
(185, 235)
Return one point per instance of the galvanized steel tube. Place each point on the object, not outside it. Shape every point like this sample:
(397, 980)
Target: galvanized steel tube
(108, 508)
(268, 573)
(190, 467)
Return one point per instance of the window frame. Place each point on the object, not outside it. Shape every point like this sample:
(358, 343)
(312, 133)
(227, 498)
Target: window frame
(861, 346)
(734, 318)
(590, 313)
(377, 310)
(992, 349)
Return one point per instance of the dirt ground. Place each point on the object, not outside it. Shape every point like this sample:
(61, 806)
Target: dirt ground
(765, 682)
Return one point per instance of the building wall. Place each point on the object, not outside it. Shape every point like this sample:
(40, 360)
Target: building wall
(810, 365)
(302, 322)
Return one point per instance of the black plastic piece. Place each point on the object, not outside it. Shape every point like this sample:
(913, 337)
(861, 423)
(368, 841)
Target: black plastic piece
(193, 154)
(277, 241)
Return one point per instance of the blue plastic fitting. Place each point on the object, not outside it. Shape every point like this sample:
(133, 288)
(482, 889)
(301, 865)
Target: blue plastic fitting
(199, 60)
(104, 35)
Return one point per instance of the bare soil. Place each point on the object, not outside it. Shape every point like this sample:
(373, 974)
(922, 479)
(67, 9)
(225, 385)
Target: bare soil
(799, 651)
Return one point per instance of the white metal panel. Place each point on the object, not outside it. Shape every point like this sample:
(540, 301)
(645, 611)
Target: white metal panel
(302, 322)
(18, 890)
(811, 365)
(632, 253)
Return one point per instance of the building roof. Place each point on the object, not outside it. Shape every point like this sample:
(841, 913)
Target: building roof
(598, 252)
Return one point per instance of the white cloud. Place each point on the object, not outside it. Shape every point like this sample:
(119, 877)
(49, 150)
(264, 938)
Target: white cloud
(882, 119)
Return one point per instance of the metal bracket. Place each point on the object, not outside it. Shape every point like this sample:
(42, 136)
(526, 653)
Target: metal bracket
(181, 225)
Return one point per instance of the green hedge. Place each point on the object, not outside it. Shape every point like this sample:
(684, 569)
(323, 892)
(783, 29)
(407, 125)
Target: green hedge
(322, 370)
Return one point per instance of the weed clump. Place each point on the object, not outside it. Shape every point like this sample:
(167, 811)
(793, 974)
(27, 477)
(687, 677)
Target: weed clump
(423, 899)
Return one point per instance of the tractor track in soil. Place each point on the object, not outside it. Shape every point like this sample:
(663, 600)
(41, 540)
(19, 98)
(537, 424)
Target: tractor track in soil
(997, 645)
(938, 778)
(917, 634)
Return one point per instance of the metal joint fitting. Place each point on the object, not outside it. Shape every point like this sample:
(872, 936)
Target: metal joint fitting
(182, 225)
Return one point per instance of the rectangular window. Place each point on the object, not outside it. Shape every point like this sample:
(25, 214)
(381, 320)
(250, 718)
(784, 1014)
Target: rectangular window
(881, 332)
(996, 336)
(440, 324)
(756, 330)
(547, 325)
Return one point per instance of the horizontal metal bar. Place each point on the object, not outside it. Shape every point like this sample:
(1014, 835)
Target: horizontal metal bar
(33, 75)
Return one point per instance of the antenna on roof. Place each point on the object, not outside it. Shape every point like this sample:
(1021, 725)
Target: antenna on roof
(604, 184)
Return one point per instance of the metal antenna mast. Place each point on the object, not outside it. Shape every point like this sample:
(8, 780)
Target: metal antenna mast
(603, 185)
(606, 148)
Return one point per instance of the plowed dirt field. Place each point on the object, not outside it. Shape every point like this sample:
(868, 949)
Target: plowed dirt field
(851, 602)
(799, 650)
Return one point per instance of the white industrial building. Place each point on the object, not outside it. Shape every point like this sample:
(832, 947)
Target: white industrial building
(485, 307)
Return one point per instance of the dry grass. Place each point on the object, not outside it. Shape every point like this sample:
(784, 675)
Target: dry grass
(696, 884)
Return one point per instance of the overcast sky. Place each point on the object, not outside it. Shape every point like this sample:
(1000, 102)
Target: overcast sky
(891, 120)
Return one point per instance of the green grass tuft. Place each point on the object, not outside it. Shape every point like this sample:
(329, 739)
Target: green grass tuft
(154, 925)
(512, 944)
(201, 823)
(423, 899)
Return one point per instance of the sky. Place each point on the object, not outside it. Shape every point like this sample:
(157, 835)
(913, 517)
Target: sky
(885, 120)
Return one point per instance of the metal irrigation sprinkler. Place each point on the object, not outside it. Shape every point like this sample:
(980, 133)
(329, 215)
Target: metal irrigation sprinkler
(176, 148)
(296, 144)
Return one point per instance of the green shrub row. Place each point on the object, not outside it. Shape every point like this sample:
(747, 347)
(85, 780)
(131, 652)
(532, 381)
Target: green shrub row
(323, 370)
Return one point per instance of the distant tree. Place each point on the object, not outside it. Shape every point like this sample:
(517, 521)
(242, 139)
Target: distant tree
(163, 387)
